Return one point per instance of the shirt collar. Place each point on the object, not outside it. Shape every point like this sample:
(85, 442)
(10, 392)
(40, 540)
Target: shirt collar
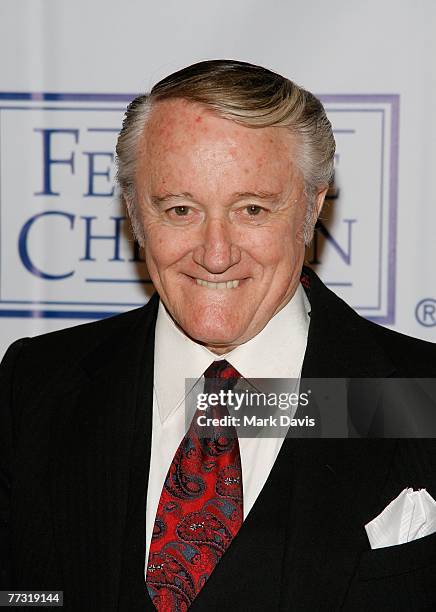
(277, 351)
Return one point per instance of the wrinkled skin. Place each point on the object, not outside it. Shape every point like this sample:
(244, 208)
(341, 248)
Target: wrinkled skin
(220, 202)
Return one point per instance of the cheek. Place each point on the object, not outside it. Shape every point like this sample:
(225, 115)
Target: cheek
(165, 245)
(276, 246)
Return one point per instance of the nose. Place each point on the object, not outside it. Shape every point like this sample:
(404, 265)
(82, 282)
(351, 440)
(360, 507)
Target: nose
(217, 252)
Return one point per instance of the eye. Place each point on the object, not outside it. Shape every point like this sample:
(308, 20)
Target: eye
(253, 214)
(181, 211)
(182, 214)
(254, 210)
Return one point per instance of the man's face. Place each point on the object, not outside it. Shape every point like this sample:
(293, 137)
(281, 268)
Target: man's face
(223, 208)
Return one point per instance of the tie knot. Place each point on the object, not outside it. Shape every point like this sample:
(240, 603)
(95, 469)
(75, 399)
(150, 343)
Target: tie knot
(221, 369)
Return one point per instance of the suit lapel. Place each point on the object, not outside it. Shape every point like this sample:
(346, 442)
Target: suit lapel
(339, 343)
(249, 575)
(337, 482)
(336, 488)
(93, 432)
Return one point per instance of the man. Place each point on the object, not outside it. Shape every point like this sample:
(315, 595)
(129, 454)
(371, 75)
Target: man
(106, 492)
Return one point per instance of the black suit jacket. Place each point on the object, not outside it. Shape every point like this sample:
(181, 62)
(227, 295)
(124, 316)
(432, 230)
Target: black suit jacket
(76, 410)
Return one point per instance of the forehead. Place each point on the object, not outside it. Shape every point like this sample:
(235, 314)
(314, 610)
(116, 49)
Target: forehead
(184, 140)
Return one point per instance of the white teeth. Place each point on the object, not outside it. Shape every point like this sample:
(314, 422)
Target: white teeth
(232, 284)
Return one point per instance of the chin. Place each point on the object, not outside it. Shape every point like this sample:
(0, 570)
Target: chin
(212, 335)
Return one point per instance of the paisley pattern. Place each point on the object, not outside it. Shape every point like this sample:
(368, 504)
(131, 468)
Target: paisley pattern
(182, 481)
(229, 482)
(204, 528)
(200, 510)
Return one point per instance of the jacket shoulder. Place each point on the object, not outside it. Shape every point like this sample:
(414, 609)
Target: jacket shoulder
(343, 343)
(46, 356)
(80, 338)
(411, 356)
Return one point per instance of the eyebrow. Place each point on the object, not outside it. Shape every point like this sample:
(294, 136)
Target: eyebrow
(156, 200)
(239, 195)
(261, 195)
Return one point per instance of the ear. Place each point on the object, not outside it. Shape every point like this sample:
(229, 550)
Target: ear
(319, 202)
(309, 226)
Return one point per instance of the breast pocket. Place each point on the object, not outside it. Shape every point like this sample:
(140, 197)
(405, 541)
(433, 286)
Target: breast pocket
(400, 578)
(400, 559)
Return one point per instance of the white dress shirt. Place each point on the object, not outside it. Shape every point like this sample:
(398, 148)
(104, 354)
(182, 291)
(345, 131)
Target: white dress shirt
(276, 352)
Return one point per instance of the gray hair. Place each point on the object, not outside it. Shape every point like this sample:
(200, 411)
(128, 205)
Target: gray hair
(246, 94)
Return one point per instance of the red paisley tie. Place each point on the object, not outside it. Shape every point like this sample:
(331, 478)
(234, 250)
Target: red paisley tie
(200, 509)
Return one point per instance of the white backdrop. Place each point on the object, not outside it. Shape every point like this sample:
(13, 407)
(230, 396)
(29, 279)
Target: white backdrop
(372, 63)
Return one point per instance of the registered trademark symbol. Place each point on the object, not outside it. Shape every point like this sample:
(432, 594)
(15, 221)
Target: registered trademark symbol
(425, 312)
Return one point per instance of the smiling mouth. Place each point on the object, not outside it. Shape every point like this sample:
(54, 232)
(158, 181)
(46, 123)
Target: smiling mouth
(231, 284)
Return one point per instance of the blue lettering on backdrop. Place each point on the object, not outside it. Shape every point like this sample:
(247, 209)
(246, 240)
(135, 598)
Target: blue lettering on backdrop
(425, 312)
(98, 184)
(92, 172)
(115, 238)
(23, 240)
(89, 236)
(343, 252)
(49, 161)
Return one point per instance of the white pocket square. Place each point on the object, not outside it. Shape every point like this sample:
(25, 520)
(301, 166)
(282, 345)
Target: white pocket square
(409, 516)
